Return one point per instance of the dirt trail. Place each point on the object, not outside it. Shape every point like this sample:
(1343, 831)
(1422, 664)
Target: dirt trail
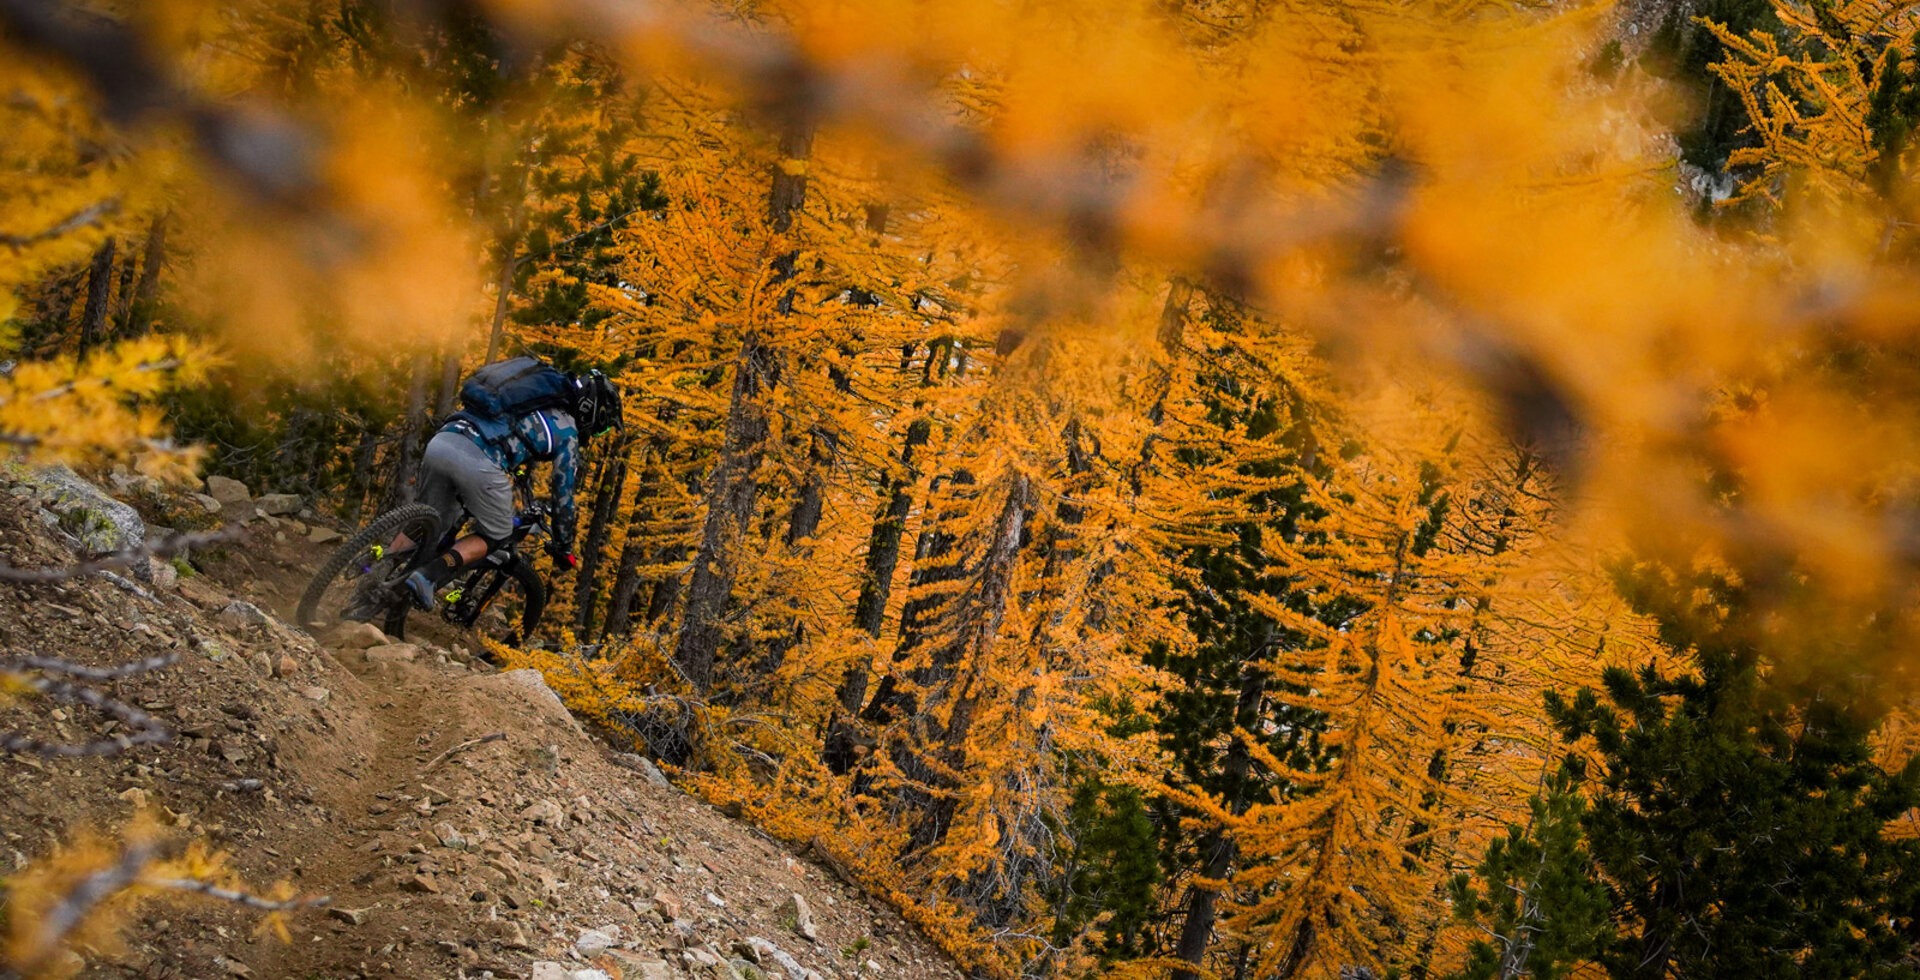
(483, 863)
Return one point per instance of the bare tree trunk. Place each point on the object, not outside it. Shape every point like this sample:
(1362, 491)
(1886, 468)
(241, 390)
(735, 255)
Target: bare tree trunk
(449, 383)
(626, 580)
(613, 482)
(733, 488)
(413, 436)
(93, 320)
(734, 485)
(1219, 847)
(666, 591)
(137, 317)
(933, 563)
(626, 586)
(360, 487)
(503, 293)
(976, 618)
(122, 301)
(883, 557)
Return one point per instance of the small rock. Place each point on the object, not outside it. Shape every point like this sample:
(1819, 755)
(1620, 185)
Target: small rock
(509, 935)
(634, 966)
(557, 971)
(779, 957)
(645, 767)
(802, 916)
(352, 917)
(161, 574)
(593, 942)
(356, 636)
(685, 931)
(420, 885)
(393, 653)
(323, 535)
(209, 504)
(716, 901)
(668, 903)
(448, 836)
(278, 504)
(286, 666)
(545, 812)
(319, 694)
(240, 615)
(137, 797)
(227, 491)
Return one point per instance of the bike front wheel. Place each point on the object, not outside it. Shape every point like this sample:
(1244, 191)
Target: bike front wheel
(354, 583)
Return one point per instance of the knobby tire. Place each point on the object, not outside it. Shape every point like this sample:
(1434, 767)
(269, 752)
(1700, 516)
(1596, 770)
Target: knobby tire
(381, 530)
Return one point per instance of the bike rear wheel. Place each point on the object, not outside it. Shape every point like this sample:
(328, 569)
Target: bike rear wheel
(352, 583)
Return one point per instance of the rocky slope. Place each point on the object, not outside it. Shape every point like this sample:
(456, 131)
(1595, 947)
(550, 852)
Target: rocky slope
(460, 821)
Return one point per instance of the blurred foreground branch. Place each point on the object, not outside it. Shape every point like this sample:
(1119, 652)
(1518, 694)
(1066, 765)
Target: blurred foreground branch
(171, 545)
(270, 155)
(31, 674)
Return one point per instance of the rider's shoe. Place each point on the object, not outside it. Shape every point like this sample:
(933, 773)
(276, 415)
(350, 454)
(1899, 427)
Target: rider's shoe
(421, 588)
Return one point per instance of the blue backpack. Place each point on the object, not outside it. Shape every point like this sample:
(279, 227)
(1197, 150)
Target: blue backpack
(497, 395)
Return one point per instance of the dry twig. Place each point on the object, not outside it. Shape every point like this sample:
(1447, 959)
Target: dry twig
(462, 747)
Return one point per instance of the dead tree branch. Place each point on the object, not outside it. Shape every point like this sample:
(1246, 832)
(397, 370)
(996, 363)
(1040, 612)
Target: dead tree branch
(462, 747)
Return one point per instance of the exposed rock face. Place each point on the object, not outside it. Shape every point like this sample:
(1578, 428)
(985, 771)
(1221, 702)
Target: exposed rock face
(96, 521)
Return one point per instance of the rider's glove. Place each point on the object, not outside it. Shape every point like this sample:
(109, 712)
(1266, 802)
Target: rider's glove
(562, 558)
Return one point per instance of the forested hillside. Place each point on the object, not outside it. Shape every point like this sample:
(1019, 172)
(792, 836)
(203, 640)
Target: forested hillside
(1192, 488)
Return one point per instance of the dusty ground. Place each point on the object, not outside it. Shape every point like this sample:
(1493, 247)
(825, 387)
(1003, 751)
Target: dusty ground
(482, 863)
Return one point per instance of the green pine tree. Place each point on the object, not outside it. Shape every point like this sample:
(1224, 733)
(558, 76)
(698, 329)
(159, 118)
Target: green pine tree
(1738, 818)
(1541, 902)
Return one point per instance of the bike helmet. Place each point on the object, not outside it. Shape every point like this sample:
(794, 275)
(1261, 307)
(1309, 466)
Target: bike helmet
(596, 403)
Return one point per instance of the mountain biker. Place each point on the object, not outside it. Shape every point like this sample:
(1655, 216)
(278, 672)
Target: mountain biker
(464, 469)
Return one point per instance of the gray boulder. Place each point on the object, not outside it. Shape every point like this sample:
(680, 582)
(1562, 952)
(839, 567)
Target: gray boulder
(96, 521)
(240, 615)
(228, 491)
(278, 504)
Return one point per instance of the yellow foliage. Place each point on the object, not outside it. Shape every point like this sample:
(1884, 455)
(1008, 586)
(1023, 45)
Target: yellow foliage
(87, 889)
(78, 408)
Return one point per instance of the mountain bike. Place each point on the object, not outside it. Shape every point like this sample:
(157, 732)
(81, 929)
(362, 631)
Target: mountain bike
(500, 596)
